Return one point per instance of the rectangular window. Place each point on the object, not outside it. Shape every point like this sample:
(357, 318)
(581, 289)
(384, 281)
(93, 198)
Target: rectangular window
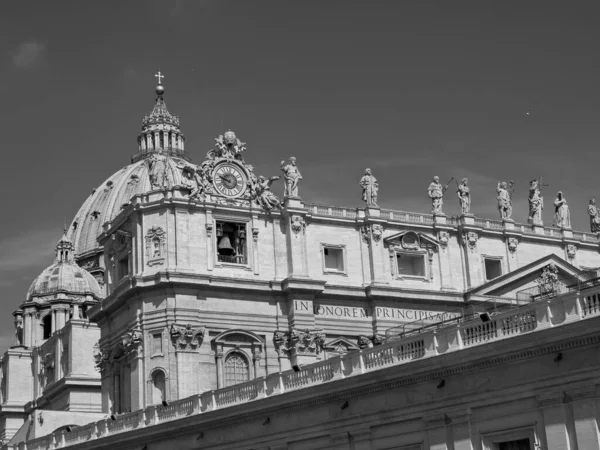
(333, 259)
(157, 344)
(411, 265)
(520, 444)
(231, 242)
(123, 268)
(493, 268)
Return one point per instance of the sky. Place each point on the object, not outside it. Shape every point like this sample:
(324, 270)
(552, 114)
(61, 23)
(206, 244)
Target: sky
(411, 89)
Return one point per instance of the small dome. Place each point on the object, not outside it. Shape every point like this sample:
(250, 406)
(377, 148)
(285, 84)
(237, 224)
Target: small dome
(64, 276)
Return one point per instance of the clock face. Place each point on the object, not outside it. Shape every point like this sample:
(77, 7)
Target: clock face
(229, 180)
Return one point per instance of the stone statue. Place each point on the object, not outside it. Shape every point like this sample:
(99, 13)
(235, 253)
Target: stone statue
(263, 195)
(504, 199)
(562, 216)
(19, 330)
(536, 203)
(227, 146)
(436, 194)
(594, 216)
(292, 176)
(464, 196)
(370, 188)
(158, 171)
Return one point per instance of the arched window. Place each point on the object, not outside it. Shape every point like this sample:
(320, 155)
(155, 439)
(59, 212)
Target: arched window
(236, 369)
(47, 326)
(158, 387)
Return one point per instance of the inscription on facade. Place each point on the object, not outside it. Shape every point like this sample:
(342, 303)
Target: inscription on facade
(380, 312)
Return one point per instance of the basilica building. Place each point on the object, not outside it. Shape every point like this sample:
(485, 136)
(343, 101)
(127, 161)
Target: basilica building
(198, 304)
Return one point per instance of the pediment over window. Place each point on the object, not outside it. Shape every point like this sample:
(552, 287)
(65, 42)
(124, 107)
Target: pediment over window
(411, 240)
(526, 281)
(237, 336)
(340, 345)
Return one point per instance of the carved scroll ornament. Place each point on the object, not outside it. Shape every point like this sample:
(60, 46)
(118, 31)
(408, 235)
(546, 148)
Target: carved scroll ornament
(186, 338)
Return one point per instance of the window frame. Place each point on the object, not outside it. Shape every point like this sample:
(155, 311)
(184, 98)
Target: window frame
(154, 334)
(423, 254)
(241, 354)
(500, 259)
(248, 265)
(341, 247)
(492, 440)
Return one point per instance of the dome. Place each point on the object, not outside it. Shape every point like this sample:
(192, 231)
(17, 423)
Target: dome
(161, 142)
(64, 276)
(108, 199)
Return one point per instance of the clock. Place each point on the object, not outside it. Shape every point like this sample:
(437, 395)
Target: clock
(229, 180)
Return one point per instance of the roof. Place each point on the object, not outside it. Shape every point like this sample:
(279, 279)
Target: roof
(108, 199)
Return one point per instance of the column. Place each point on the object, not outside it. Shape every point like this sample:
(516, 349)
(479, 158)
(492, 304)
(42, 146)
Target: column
(584, 415)
(360, 439)
(157, 140)
(436, 431)
(555, 420)
(219, 363)
(294, 216)
(339, 441)
(53, 324)
(461, 429)
(210, 243)
(136, 378)
(28, 329)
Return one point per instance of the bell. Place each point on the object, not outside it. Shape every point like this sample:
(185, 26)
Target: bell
(224, 247)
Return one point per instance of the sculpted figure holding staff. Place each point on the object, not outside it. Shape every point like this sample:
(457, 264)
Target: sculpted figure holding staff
(370, 188)
(505, 199)
(464, 196)
(291, 176)
(436, 194)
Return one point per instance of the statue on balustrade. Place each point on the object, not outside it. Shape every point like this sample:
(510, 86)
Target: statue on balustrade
(594, 216)
(370, 188)
(562, 216)
(536, 203)
(291, 176)
(505, 199)
(464, 196)
(436, 194)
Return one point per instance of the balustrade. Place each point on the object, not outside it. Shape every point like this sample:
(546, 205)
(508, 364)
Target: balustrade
(500, 325)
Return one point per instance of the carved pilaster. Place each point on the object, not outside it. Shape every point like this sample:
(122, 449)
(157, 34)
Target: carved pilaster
(186, 338)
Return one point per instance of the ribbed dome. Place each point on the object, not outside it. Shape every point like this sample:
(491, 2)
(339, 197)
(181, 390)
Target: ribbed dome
(107, 201)
(64, 276)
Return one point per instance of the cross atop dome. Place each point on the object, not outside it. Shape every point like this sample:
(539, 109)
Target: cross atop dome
(160, 89)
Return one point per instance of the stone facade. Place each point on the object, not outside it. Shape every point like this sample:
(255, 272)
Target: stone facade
(209, 283)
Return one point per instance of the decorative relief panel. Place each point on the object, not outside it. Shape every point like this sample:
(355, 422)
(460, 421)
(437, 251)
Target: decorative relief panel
(370, 341)
(470, 239)
(444, 238)
(298, 224)
(100, 357)
(571, 251)
(132, 343)
(187, 338)
(301, 342)
(373, 232)
(156, 245)
(513, 243)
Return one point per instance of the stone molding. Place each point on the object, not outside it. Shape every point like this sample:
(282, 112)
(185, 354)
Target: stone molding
(156, 255)
(186, 338)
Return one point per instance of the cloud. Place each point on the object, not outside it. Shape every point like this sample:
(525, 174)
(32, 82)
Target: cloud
(28, 54)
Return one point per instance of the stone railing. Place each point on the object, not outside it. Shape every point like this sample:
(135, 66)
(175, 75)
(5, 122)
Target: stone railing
(428, 219)
(431, 342)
